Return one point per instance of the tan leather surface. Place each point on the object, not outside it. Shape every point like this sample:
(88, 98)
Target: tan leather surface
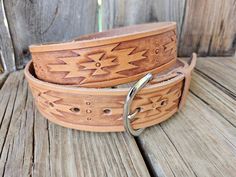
(109, 58)
(101, 110)
(68, 80)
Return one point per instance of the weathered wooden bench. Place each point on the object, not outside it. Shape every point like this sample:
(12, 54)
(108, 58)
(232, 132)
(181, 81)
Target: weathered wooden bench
(200, 140)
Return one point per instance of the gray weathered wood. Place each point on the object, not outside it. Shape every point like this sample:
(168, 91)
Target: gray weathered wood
(3, 77)
(202, 143)
(200, 139)
(123, 13)
(170, 10)
(48, 21)
(32, 146)
(214, 96)
(221, 71)
(209, 28)
(161, 155)
(205, 26)
(7, 59)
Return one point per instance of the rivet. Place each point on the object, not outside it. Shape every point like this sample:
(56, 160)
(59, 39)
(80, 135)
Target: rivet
(157, 51)
(88, 110)
(88, 118)
(98, 64)
(88, 103)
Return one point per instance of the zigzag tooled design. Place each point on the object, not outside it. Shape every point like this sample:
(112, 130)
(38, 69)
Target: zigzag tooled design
(151, 104)
(116, 61)
(105, 61)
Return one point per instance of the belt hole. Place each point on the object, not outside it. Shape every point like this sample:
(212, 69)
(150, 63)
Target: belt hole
(138, 109)
(106, 111)
(164, 102)
(75, 109)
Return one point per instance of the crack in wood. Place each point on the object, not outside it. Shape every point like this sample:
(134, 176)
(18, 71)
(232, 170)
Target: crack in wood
(216, 83)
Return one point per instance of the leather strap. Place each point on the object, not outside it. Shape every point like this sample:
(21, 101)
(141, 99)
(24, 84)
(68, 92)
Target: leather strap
(108, 58)
(93, 109)
(187, 79)
(68, 80)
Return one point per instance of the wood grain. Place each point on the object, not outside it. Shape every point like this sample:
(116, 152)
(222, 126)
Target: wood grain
(7, 58)
(214, 96)
(202, 143)
(204, 26)
(220, 71)
(200, 139)
(209, 28)
(48, 21)
(31, 146)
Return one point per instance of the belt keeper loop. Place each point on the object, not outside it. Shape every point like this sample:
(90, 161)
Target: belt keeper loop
(187, 79)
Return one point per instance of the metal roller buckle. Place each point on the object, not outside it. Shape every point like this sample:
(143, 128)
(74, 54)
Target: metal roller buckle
(127, 117)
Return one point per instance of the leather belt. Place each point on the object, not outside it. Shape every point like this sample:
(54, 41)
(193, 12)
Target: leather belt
(108, 58)
(61, 77)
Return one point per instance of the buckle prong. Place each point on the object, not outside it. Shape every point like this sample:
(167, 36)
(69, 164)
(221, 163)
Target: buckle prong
(127, 116)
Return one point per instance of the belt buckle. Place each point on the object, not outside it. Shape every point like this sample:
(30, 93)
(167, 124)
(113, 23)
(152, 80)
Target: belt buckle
(127, 116)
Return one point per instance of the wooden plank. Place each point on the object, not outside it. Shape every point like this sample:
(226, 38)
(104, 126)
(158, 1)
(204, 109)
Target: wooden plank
(200, 138)
(124, 12)
(48, 21)
(127, 12)
(32, 146)
(7, 58)
(169, 10)
(161, 155)
(215, 97)
(209, 28)
(206, 27)
(3, 77)
(220, 71)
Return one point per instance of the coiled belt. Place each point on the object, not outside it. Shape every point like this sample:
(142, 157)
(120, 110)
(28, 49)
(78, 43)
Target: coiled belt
(145, 82)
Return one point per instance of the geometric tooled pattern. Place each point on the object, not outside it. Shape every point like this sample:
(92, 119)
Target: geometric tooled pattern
(55, 106)
(50, 103)
(105, 61)
(151, 104)
(166, 45)
(154, 103)
(159, 103)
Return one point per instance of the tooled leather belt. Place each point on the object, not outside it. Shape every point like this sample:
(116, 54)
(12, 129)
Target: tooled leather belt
(145, 82)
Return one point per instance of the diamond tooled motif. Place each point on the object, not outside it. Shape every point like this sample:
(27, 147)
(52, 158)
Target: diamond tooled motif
(50, 103)
(154, 103)
(98, 64)
(107, 60)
